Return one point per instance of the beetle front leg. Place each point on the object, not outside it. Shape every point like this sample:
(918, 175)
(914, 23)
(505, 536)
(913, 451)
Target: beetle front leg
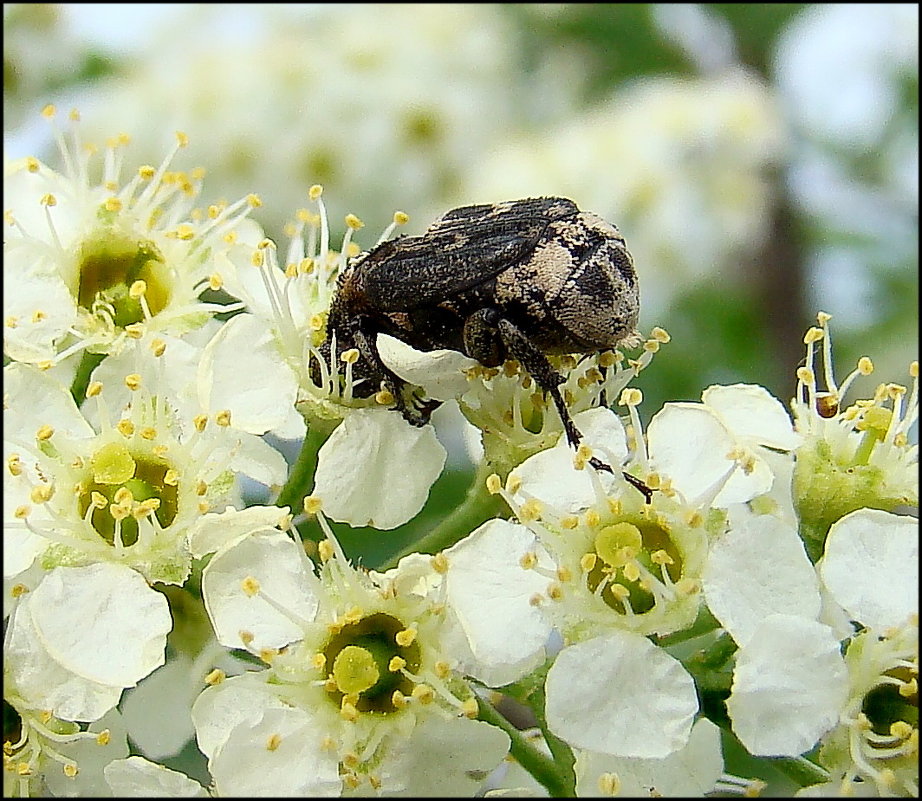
(417, 412)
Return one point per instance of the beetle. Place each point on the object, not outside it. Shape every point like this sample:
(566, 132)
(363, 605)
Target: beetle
(520, 279)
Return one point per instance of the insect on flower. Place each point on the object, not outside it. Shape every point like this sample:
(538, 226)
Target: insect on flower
(521, 279)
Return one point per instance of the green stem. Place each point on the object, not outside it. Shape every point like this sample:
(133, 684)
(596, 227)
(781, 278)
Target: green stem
(88, 363)
(302, 471)
(477, 507)
(800, 770)
(545, 770)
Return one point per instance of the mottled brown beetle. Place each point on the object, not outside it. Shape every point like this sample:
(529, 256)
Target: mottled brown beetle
(519, 279)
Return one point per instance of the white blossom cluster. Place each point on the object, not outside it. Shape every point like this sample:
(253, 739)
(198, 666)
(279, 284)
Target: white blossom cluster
(746, 574)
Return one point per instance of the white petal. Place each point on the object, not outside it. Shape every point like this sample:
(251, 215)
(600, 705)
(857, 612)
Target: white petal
(277, 563)
(490, 593)
(619, 694)
(789, 684)
(871, 566)
(101, 621)
(27, 290)
(43, 684)
(690, 772)
(443, 758)
(551, 476)
(688, 443)
(299, 765)
(22, 416)
(137, 777)
(376, 469)
(438, 372)
(218, 529)
(757, 568)
(254, 457)
(219, 709)
(83, 635)
(243, 370)
(753, 413)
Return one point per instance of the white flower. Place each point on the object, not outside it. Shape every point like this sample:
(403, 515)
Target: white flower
(855, 456)
(82, 636)
(359, 689)
(792, 687)
(124, 492)
(88, 263)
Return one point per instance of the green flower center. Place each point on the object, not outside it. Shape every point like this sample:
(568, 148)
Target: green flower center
(630, 559)
(109, 264)
(125, 481)
(365, 660)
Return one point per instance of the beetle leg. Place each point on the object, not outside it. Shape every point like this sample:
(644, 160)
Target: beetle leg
(539, 368)
(417, 412)
(546, 377)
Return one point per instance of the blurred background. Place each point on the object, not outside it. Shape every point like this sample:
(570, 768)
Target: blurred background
(761, 159)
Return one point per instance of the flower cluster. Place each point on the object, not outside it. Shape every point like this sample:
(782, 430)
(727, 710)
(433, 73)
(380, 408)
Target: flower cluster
(738, 574)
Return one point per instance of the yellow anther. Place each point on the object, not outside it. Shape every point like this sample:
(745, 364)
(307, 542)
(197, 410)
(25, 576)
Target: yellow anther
(93, 389)
(564, 574)
(396, 664)
(405, 638)
(865, 365)
(401, 217)
(148, 433)
(49, 200)
(805, 375)
(70, 770)
(312, 504)
(133, 381)
(201, 488)
(44, 433)
(530, 510)
(350, 356)
(442, 669)
(315, 192)
(135, 330)
(32, 164)
(41, 493)
(246, 637)
(398, 699)
(103, 737)
(215, 281)
(223, 418)
(823, 317)
(325, 550)
(469, 708)
(592, 518)
(588, 561)
(660, 335)
(513, 483)
(424, 693)
(215, 677)
(813, 334)
(569, 522)
(609, 784)
(14, 464)
(630, 396)
(348, 712)
(439, 563)
(138, 289)
(529, 560)
(554, 591)
(273, 742)
(913, 369)
(354, 222)
(250, 586)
